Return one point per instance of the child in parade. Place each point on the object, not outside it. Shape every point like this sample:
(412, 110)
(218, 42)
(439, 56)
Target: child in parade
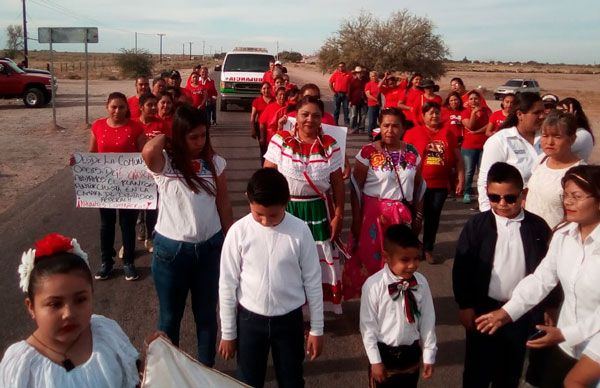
(496, 249)
(70, 347)
(195, 213)
(269, 270)
(397, 319)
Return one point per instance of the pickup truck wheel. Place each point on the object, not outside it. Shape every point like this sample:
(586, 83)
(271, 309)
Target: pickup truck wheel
(34, 98)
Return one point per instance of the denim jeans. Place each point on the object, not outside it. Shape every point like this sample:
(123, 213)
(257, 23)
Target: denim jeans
(433, 203)
(341, 99)
(373, 115)
(472, 158)
(283, 334)
(179, 268)
(108, 220)
(358, 115)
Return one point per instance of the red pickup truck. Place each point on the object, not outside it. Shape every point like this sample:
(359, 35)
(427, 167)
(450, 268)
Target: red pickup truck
(35, 89)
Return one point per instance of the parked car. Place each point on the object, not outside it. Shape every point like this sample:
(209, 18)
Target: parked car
(516, 86)
(34, 88)
(34, 71)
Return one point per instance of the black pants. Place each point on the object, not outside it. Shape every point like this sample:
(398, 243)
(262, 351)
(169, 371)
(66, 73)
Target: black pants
(108, 220)
(400, 357)
(283, 335)
(558, 365)
(433, 203)
(496, 359)
(151, 218)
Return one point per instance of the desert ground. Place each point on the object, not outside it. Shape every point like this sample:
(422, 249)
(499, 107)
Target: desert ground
(32, 150)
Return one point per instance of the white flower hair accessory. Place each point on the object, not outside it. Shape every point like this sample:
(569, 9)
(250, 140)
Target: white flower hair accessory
(50, 245)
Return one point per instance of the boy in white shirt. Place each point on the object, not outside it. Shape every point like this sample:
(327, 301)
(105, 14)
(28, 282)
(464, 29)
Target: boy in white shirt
(397, 319)
(269, 269)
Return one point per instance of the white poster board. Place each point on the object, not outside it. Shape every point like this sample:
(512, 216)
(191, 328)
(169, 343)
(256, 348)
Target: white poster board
(338, 133)
(113, 180)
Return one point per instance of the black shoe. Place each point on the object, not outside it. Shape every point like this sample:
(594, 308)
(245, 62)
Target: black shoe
(130, 272)
(104, 271)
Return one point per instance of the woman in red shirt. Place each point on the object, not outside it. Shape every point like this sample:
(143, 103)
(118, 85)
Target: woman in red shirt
(165, 111)
(498, 117)
(372, 93)
(429, 89)
(411, 94)
(199, 93)
(475, 119)
(438, 148)
(452, 113)
(258, 106)
(117, 133)
(269, 118)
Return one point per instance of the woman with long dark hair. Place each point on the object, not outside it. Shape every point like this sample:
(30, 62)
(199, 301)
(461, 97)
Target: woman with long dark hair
(584, 137)
(195, 213)
(411, 94)
(514, 142)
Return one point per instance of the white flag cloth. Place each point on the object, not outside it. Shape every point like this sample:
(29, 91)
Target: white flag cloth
(169, 367)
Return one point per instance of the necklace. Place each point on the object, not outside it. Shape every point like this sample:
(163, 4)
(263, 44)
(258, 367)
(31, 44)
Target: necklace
(66, 362)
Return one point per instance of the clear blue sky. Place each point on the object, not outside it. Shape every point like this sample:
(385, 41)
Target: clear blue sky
(544, 31)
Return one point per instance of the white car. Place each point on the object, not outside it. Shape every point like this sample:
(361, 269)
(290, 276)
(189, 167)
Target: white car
(516, 86)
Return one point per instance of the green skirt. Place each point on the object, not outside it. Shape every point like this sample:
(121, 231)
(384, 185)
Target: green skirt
(313, 211)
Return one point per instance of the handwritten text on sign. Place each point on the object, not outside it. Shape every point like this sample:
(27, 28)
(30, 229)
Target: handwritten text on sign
(113, 180)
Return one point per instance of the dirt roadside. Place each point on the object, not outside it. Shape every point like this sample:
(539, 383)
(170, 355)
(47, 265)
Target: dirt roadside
(31, 151)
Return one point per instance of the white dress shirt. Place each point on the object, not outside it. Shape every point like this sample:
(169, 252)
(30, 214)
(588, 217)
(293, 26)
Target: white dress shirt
(506, 146)
(270, 271)
(384, 320)
(576, 264)
(509, 257)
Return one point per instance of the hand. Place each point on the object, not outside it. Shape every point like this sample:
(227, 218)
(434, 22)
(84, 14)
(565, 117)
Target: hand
(490, 322)
(467, 318)
(427, 371)
(314, 346)
(475, 110)
(551, 317)
(347, 170)
(553, 337)
(378, 372)
(281, 122)
(417, 224)
(460, 186)
(253, 133)
(227, 349)
(336, 227)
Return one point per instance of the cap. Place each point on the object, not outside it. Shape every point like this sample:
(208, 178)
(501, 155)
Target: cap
(550, 99)
(357, 69)
(278, 62)
(428, 83)
(175, 74)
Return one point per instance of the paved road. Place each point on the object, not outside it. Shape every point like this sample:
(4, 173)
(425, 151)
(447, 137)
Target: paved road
(50, 208)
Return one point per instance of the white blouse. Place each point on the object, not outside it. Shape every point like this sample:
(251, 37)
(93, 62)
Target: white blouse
(545, 189)
(584, 144)
(576, 264)
(111, 365)
(184, 215)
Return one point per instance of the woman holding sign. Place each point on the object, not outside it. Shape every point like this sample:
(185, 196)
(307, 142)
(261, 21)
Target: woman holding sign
(194, 215)
(117, 133)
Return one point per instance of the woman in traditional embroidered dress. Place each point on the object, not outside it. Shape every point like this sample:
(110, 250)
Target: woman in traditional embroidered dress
(312, 164)
(387, 180)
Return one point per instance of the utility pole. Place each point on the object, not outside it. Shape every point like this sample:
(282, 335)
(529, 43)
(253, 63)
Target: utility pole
(183, 50)
(136, 42)
(25, 51)
(203, 44)
(277, 53)
(190, 50)
(160, 55)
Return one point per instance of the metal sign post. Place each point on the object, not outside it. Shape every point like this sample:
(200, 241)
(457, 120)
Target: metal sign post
(69, 35)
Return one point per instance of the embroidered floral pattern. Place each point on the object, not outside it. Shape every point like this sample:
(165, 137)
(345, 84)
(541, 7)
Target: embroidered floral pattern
(405, 159)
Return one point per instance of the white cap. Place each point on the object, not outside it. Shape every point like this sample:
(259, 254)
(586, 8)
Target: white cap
(278, 62)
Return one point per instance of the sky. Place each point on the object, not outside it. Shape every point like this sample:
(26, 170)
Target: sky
(554, 31)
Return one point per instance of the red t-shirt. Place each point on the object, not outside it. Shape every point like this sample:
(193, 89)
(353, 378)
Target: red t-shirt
(119, 139)
(418, 105)
(168, 124)
(260, 104)
(156, 127)
(453, 120)
(340, 81)
(197, 96)
(268, 77)
(475, 141)
(134, 107)
(270, 116)
(392, 95)
(373, 88)
(437, 153)
(497, 118)
(410, 96)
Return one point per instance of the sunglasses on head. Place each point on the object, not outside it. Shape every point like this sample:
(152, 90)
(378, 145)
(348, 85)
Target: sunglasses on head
(508, 198)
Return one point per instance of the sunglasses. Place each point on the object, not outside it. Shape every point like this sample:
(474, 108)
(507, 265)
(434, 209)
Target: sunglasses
(508, 198)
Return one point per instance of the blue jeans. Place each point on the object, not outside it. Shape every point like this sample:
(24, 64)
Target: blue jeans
(179, 268)
(283, 335)
(372, 116)
(341, 99)
(472, 159)
(358, 115)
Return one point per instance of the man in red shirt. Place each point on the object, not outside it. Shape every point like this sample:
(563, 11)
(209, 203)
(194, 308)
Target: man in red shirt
(175, 81)
(339, 83)
(357, 101)
(208, 85)
(268, 76)
(142, 86)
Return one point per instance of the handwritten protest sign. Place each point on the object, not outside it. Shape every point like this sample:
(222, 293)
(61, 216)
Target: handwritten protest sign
(338, 133)
(113, 180)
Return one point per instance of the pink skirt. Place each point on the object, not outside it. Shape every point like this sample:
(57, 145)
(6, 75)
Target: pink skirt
(367, 257)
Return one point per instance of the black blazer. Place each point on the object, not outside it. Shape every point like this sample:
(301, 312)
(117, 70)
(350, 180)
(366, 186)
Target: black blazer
(474, 257)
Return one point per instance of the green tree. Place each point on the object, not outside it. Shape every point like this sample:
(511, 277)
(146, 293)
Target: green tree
(14, 41)
(290, 56)
(403, 42)
(134, 63)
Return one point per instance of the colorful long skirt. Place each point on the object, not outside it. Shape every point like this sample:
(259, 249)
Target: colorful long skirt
(313, 211)
(367, 258)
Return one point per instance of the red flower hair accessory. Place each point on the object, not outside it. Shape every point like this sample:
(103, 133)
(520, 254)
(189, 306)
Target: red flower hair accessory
(49, 245)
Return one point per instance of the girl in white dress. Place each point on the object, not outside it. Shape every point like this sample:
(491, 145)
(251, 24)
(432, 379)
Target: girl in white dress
(70, 347)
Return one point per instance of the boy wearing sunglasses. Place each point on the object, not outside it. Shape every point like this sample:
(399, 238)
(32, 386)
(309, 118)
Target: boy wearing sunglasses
(496, 249)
